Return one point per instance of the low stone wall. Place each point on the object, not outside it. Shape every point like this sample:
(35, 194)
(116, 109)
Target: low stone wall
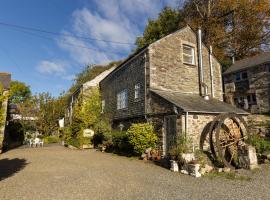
(258, 124)
(197, 124)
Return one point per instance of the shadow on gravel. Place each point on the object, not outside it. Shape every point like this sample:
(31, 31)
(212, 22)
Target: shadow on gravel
(8, 167)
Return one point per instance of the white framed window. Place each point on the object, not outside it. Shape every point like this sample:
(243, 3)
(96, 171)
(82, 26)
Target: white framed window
(102, 106)
(122, 99)
(137, 91)
(241, 76)
(188, 55)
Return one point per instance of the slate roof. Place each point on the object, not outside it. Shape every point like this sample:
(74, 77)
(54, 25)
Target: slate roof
(5, 79)
(249, 62)
(94, 82)
(196, 103)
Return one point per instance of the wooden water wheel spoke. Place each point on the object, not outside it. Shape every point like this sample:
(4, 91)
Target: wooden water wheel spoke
(229, 133)
(232, 157)
(225, 134)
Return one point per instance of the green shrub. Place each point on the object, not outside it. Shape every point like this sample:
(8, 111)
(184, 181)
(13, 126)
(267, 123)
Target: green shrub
(141, 136)
(260, 143)
(121, 143)
(51, 139)
(74, 142)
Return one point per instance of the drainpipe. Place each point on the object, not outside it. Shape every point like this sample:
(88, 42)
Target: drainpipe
(200, 60)
(186, 124)
(211, 72)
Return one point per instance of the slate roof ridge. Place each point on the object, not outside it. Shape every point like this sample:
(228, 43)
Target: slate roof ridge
(249, 62)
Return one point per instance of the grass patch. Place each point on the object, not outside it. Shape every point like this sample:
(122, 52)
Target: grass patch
(227, 175)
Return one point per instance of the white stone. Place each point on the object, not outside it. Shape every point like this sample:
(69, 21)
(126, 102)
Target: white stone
(208, 168)
(188, 157)
(148, 150)
(226, 169)
(174, 166)
(220, 170)
(184, 172)
(253, 161)
(196, 175)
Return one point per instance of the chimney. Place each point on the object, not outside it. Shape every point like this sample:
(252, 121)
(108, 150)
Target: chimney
(200, 61)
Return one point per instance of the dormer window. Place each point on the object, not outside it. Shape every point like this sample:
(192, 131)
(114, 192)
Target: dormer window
(188, 55)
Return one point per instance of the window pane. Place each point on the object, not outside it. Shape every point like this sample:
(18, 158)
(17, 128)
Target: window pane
(188, 54)
(244, 75)
(237, 76)
(187, 59)
(187, 50)
(137, 91)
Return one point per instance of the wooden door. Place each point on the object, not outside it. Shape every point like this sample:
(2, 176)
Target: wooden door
(170, 132)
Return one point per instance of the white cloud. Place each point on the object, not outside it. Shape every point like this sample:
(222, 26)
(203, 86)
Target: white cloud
(114, 20)
(51, 67)
(69, 77)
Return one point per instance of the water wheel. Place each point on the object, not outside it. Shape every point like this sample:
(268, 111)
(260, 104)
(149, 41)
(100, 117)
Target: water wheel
(224, 136)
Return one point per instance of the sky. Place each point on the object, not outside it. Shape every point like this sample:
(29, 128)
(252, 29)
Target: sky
(76, 34)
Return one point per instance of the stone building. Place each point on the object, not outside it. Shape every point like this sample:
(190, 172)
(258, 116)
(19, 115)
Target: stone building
(84, 90)
(5, 79)
(247, 84)
(175, 83)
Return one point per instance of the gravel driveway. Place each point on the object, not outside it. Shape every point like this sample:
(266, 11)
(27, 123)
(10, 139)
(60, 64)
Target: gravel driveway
(59, 173)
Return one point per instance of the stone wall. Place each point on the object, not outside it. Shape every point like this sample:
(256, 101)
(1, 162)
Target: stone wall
(2, 127)
(124, 78)
(168, 72)
(258, 83)
(196, 125)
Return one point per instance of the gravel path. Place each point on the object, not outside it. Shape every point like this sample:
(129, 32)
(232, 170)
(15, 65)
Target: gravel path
(59, 173)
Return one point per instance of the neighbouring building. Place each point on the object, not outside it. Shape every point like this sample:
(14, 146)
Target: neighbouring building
(5, 79)
(247, 84)
(175, 83)
(84, 91)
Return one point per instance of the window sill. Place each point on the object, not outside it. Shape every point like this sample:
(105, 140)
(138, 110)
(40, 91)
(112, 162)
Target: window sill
(137, 100)
(122, 109)
(191, 65)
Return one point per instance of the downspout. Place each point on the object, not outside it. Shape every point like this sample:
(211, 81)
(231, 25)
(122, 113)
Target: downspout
(145, 86)
(186, 124)
(200, 61)
(211, 72)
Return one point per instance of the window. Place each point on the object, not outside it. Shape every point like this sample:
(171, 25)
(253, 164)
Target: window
(241, 76)
(188, 55)
(137, 91)
(238, 76)
(122, 99)
(244, 75)
(267, 67)
(102, 106)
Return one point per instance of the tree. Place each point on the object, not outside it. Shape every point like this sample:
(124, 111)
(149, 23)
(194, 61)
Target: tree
(19, 92)
(168, 21)
(236, 28)
(1, 102)
(48, 111)
(89, 73)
